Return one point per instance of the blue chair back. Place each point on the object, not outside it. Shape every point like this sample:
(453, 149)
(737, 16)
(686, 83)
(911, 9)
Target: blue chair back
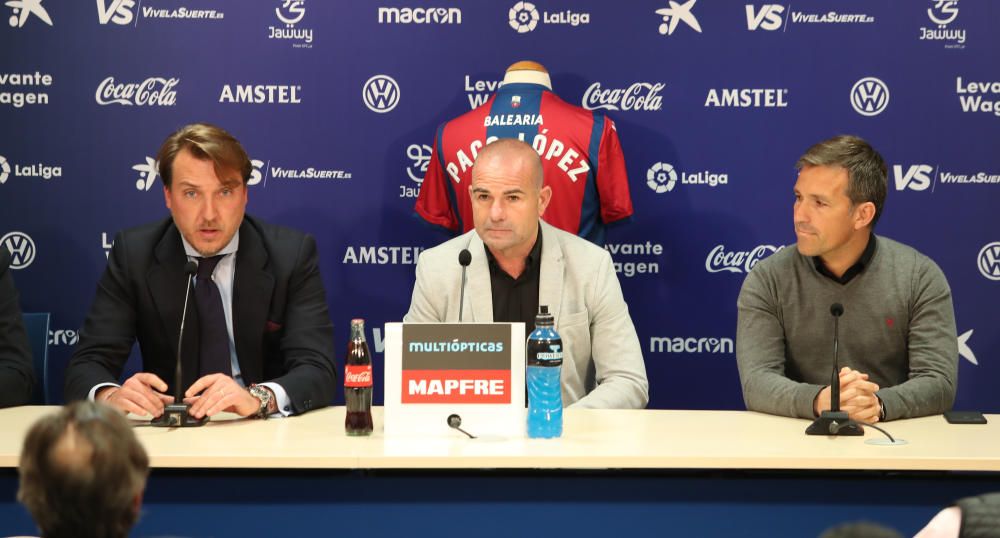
(37, 325)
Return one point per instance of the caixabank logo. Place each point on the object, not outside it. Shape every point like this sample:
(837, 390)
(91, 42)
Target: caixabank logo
(23, 11)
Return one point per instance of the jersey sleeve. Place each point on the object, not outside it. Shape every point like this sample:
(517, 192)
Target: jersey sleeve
(433, 203)
(612, 179)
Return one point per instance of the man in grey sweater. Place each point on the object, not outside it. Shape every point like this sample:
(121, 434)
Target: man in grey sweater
(898, 347)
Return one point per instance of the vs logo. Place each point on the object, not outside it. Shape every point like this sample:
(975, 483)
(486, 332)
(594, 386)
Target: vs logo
(917, 177)
(117, 11)
(767, 18)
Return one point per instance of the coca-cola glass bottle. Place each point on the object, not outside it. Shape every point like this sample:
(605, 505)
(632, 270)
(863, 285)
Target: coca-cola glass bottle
(358, 382)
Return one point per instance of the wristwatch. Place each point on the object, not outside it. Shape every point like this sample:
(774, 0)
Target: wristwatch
(265, 397)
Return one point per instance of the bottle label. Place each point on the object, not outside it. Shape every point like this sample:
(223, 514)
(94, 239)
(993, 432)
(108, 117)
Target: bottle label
(358, 376)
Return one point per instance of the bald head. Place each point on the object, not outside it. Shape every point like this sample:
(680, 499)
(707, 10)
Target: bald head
(517, 154)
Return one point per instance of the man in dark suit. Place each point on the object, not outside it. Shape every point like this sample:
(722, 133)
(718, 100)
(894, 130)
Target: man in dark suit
(16, 373)
(258, 337)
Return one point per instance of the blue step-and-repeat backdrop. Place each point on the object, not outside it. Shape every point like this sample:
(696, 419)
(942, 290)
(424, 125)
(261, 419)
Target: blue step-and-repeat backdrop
(337, 103)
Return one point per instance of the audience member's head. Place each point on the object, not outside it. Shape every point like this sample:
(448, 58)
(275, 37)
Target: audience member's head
(83, 472)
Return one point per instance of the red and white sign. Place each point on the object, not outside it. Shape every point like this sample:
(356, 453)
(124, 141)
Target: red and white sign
(456, 386)
(358, 375)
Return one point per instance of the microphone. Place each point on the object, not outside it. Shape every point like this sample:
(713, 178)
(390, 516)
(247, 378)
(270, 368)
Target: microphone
(455, 421)
(834, 421)
(177, 414)
(464, 259)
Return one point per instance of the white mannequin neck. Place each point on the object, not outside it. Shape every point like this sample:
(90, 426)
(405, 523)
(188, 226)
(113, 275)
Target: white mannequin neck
(529, 77)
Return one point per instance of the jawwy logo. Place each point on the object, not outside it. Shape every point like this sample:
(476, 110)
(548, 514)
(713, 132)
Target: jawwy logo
(989, 261)
(290, 14)
(676, 13)
(869, 96)
(21, 248)
(380, 94)
(23, 9)
(118, 11)
(523, 17)
(942, 13)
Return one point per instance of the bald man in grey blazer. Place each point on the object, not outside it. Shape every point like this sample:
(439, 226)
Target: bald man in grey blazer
(520, 262)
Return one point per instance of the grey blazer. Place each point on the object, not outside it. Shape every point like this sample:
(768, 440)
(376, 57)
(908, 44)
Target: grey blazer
(602, 359)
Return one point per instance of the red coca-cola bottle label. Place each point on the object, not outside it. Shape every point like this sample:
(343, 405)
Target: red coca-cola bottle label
(358, 375)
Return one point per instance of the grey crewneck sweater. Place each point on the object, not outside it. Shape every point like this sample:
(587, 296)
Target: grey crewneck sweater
(898, 327)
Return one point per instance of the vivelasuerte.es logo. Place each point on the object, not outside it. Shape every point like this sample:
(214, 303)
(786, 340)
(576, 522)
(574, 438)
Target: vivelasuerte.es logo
(720, 259)
(419, 15)
(10, 170)
(982, 96)
(259, 94)
(680, 344)
(154, 91)
(123, 12)
(524, 17)
(19, 89)
(640, 258)
(747, 98)
(290, 14)
(771, 17)
(920, 177)
(381, 255)
(644, 96)
(664, 177)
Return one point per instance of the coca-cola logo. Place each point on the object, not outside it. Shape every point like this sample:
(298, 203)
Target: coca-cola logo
(154, 91)
(737, 261)
(358, 376)
(639, 96)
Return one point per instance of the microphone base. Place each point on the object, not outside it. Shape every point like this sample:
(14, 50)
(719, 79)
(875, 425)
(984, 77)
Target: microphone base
(177, 416)
(833, 423)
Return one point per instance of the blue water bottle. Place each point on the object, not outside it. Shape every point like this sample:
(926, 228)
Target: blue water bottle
(545, 352)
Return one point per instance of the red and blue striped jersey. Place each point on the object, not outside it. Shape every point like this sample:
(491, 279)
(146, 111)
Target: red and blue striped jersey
(581, 157)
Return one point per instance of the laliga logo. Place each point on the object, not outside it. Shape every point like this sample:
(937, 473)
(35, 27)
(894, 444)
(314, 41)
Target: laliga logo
(661, 177)
(21, 248)
(869, 96)
(23, 9)
(737, 261)
(154, 91)
(989, 261)
(380, 94)
(420, 154)
(523, 17)
(947, 8)
(4, 169)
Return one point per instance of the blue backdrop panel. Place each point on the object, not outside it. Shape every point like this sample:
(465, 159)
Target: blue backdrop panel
(733, 93)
